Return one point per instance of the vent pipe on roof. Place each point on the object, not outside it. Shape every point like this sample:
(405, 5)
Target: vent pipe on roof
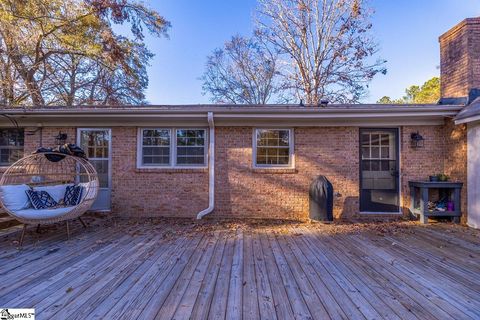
(211, 169)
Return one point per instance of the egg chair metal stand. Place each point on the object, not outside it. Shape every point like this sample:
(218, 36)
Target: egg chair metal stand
(52, 169)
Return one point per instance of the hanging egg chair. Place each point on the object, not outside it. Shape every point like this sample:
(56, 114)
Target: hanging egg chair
(48, 187)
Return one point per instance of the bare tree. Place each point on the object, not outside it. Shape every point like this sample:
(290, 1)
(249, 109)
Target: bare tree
(326, 51)
(243, 72)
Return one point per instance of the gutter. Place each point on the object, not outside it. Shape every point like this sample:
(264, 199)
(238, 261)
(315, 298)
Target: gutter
(168, 110)
(467, 119)
(211, 169)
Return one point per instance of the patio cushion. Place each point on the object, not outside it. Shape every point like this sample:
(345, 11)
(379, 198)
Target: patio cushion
(41, 199)
(73, 195)
(56, 191)
(14, 196)
(43, 213)
(89, 190)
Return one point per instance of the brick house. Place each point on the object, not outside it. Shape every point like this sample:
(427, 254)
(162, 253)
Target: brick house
(259, 160)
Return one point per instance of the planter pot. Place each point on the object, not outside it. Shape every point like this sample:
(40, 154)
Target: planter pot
(433, 179)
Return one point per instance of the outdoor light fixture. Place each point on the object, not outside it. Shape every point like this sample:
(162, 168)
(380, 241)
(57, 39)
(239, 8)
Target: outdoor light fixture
(61, 138)
(416, 140)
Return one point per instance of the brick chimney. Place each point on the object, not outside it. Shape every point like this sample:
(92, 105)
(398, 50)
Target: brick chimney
(460, 62)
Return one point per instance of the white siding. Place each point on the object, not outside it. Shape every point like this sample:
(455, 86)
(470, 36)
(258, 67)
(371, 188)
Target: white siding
(473, 181)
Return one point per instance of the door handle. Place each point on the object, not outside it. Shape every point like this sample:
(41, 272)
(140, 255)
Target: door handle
(394, 173)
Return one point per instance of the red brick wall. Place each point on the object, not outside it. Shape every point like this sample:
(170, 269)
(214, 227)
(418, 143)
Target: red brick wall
(460, 59)
(460, 73)
(273, 193)
(242, 191)
(153, 192)
(456, 158)
(420, 163)
(333, 152)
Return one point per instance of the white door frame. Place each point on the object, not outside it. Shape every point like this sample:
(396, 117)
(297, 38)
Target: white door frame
(109, 130)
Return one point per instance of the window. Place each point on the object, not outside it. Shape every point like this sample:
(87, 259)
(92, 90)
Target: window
(156, 147)
(163, 147)
(273, 148)
(190, 147)
(11, 146)
(378, 152)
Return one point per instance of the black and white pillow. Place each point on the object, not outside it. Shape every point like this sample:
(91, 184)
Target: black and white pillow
(40, 199)
(73, 195)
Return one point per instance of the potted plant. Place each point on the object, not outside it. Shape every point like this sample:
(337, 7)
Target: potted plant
(433, 178)
(442, 177)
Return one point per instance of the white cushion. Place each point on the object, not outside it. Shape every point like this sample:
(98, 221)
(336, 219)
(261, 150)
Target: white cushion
(89, 189)
(43, 213)
(57, 192)
(14, 197)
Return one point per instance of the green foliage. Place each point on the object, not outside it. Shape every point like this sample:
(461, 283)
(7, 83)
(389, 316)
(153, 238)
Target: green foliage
(66, 52)
(429, 92)
(385, 100)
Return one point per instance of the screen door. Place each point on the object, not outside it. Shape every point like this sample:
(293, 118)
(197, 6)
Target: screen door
(379, 173)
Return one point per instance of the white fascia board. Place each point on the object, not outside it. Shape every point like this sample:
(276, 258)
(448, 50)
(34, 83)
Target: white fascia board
(233, 117)
(468, 120)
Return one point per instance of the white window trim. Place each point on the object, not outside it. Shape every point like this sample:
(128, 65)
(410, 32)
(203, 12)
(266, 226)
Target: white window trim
(173, 149)
(110, 153)
(291, 150)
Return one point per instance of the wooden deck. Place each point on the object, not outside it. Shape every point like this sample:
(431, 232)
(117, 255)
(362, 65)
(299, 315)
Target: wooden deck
(231, 270)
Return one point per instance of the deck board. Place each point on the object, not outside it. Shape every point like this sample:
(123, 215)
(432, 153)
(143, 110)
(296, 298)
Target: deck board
(180, 269)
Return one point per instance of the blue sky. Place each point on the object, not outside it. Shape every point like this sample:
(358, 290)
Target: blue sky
(407, 32)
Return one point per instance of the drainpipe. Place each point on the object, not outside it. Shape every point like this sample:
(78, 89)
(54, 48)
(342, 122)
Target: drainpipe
(211, 169)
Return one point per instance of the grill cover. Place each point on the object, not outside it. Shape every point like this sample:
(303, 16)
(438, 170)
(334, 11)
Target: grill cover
(321, 199)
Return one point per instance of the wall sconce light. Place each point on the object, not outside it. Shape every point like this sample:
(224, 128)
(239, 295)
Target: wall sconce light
(416, 140)
(61, 138)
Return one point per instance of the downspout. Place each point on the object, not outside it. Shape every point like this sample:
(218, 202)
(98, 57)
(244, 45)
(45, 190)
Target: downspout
(211, 169)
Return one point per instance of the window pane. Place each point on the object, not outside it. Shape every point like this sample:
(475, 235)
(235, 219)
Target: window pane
(365, 139)
(385, 152)
(366, 165)
(190, 160)
(11, 145)
(283, 138)
(261, 159)
(95, 143)
(385, 165)
(190, 147)
(156, 147)
(365, 153)
(375, 152)
(261, 152)
(273, 147)
(102, 170)
(375, 139)
(385, 140)
(283, 160)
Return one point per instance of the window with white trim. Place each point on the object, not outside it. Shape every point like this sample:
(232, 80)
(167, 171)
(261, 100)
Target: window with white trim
(156, 147)
(190, 147)
(11, 146)
(273, 148)
(172, 147)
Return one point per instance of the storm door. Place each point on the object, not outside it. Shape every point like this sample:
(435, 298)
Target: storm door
(379, 172)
